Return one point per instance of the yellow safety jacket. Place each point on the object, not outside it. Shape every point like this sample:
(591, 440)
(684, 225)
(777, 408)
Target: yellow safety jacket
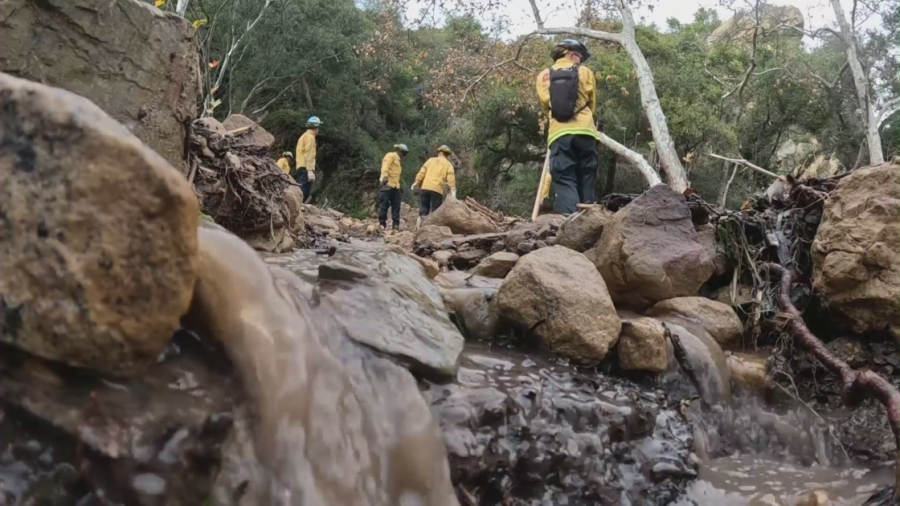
(284, 164)
(306, 151)
(583, 122)
(390, 169)
(436, 171)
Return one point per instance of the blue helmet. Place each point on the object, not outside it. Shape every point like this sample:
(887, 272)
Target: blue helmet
(314, 122)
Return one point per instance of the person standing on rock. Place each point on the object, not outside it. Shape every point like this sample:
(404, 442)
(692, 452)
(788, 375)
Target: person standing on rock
(389, 193)
(431, 178)
(284, 163)
(566, 91)
(306, 157)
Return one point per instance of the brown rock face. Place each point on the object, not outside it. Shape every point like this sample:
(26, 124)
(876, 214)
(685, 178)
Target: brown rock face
(132, 60)
(650, 252)
(856, 267)
(582, 231)
(460, 219)
(293, 198)
(255, 135)
(558, 293)
(98, 234)
(497, 265)
(432, 234)
(748, 373)
(642, 345)
(717, 318)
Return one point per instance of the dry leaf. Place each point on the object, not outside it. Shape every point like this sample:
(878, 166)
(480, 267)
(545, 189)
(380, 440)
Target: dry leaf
(197, 23)
(213, 64)
(159, 3)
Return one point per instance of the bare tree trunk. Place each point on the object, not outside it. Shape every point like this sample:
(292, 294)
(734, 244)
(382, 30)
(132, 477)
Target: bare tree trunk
(726, 184)
(861, 83)
(668, 156)
(181, 7)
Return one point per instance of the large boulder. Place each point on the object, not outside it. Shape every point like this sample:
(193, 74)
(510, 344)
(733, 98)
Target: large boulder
(558, 294)
(497, 265)
(695, 353)
(856, 269)
(383, 299)
(98, 236)
(642, 345)
(432, 235)
(132, 60)
(581, 231)
(718, 319)
(457, 216)
(248, 132)
(293, 199)
(739, 29)
(650, 251)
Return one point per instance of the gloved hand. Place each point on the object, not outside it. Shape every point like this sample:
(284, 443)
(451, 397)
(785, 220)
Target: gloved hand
(311, 174)
(414, 187)
(453, 192)
(384, 182)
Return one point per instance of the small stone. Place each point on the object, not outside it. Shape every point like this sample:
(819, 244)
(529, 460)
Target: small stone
(497, 265)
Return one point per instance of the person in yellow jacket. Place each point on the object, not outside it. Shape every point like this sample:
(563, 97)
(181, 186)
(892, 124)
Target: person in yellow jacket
(389, 192)
(284, 163)
(431, 178)
(306, 157)
(567, 95)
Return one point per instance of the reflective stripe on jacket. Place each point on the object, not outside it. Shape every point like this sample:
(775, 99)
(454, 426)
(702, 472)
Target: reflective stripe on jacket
(583, 122)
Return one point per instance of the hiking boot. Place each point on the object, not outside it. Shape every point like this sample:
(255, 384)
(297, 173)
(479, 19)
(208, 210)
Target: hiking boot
(396, 227)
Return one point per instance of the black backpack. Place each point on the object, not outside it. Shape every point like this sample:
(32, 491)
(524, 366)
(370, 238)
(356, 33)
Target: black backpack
(564, 93)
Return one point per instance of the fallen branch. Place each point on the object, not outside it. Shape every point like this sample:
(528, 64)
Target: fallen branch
(635, 158)
(745, 163)
(855, 385)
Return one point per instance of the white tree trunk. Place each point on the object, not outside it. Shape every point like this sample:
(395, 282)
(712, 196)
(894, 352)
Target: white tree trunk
(861, 83)
(181, 7)
(650, 100)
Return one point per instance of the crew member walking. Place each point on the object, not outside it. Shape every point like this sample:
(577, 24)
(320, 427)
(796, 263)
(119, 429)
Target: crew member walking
(567, 95)
(284, 163)
(389, 193)
(431, 178)
(306, 157)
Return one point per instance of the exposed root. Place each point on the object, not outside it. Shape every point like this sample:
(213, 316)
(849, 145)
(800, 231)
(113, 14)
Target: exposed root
(855, 385)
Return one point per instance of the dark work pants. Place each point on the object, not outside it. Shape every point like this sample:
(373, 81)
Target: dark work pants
(302, 178)
(573, 169)
(429, 201)
(389, 197)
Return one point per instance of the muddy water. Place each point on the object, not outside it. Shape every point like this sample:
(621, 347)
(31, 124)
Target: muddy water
(752, 480)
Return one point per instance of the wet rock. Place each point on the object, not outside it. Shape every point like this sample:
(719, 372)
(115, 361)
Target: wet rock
(707, 236)
(403, 239)
(293, 198)
(468, 258)
(365, 411)
(432, 235)
(384, 300)
(582, 231)
(718, 319)
(430, 267)
(521, 233)
(144, 440)
(455, 215)
(558, 294)
(80, 47)
(748, 373)
(642, 345)
(475, 310)
(254, 136)
(497, 265)
(520, 428)
(98, 234)
(271, 242)
(649, 251)
(549, 219)
(702, 360)
(442, 257)
(856, 269)
(461, 279)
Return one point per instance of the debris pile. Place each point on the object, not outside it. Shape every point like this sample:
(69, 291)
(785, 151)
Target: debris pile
(238, 183)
